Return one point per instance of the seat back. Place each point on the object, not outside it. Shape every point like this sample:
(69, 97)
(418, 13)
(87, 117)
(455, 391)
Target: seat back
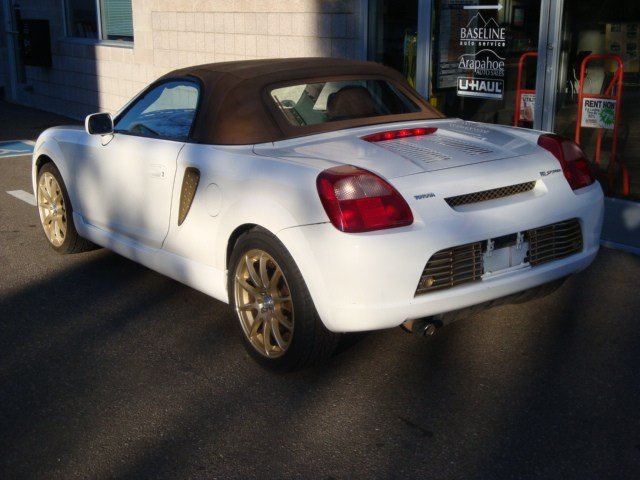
(352, 101)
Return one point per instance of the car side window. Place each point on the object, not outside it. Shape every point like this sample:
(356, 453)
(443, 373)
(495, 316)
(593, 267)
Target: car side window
(166, 111)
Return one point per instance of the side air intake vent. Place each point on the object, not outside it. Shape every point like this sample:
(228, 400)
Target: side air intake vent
(188, 192)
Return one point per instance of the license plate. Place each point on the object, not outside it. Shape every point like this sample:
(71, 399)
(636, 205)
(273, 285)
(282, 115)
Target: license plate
(505, 252)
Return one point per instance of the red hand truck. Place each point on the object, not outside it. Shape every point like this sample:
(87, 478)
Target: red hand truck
(613, 94)
(519, 114)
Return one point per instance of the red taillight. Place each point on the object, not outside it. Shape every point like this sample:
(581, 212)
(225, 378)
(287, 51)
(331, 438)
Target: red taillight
(573, 161)
(403, 133)
(356, 200)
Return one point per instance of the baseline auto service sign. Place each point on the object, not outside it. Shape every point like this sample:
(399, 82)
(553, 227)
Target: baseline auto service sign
(485, 66)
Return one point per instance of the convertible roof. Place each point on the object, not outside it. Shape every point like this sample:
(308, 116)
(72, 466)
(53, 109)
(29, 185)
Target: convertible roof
(235, 108)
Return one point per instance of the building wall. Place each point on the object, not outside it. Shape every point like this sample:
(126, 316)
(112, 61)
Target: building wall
(4, 60)
(168, 34)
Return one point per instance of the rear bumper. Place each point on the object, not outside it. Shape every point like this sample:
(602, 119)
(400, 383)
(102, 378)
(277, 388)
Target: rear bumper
(368, 281)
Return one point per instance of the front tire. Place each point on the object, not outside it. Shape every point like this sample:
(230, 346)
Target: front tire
(56, 214)
(280, 327)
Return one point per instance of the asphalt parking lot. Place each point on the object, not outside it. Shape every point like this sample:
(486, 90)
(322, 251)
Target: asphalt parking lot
(109, 370)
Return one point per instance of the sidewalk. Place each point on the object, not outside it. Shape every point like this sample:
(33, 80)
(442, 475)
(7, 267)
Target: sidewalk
(24, 123)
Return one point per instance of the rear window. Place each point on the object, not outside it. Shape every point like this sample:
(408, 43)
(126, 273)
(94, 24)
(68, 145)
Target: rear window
(322, 102)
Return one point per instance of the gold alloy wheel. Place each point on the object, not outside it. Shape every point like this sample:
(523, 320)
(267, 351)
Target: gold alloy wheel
(263, 303)
(53, 214)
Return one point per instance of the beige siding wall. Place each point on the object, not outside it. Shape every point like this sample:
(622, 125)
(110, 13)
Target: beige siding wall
(169, 34)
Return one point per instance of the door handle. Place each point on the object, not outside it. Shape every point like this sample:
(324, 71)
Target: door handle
(157, 171)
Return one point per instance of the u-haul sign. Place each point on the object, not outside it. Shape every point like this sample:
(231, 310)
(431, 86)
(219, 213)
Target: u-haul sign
(480, 88)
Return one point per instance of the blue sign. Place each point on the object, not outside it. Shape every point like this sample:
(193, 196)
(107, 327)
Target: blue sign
(15, 148)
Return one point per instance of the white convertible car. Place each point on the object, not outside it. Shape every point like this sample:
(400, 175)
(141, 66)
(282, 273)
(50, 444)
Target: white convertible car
(319, 196)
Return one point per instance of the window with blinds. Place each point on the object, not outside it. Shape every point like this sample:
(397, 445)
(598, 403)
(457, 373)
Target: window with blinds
(117, 20)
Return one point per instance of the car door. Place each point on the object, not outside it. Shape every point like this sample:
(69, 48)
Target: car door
(126, 180)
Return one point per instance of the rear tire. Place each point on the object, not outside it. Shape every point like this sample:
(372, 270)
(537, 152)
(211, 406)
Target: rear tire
(56, 214)
(280, 327)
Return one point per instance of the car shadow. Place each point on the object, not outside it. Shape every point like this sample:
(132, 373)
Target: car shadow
(109, 370)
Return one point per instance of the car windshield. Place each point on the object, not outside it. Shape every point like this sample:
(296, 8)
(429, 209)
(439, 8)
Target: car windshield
(322, 102)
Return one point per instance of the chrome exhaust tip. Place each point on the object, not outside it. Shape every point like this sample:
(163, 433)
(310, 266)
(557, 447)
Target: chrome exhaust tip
(426, 327)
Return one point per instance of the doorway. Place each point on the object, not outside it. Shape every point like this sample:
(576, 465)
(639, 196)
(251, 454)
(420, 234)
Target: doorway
(602, 37)
(15, 72)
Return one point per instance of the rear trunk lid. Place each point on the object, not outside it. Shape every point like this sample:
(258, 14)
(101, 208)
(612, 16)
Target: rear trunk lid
(455, 143)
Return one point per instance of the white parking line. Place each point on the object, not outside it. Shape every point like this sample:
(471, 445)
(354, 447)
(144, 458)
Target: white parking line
(24, 196)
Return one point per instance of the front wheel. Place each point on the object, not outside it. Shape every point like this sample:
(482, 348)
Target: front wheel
(56, 215)
(280, 326)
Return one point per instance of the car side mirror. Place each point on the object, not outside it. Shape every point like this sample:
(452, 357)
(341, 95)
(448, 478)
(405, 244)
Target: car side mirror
(99, 124)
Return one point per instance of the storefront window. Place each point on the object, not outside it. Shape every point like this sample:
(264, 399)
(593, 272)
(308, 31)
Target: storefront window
(600, 105)
(485, 56)
(478, 47)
